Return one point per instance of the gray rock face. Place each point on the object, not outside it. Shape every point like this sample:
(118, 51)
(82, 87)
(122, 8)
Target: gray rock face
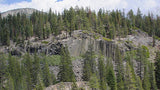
(26, 11)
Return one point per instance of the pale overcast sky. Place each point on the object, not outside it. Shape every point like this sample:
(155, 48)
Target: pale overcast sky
(59, 5)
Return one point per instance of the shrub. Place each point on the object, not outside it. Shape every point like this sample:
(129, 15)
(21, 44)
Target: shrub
(107, 39)
(44, 42)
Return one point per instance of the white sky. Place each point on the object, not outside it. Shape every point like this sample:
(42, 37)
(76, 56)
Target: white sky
(145, 5)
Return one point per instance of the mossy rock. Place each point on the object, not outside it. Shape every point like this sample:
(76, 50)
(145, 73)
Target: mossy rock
(107, 39)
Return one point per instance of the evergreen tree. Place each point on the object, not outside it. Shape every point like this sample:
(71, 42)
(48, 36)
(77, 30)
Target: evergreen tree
(157, 69)
(66, 73)
(152, 77)
(10, 84)
(28, 69)
(71, 19)
(3, 71)
(146, 84)
(110, 75)
(46, 74)
(36, 69)
(131, 18)
(138, 20)
(15, 72)
(89, 64)
(74, 86)
(120, 72)
(102, 73)
(139, 83)
(130, 82)
(39, 85)
(93, 82)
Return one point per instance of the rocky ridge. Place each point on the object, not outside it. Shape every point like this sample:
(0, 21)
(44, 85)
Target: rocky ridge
(27, 11)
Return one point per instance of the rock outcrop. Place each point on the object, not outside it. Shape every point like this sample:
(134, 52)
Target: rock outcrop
(26, 11)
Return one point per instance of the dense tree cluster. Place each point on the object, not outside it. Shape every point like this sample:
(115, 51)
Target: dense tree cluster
(26, 74)
(125, 77)
(157, 69)
(110, 24)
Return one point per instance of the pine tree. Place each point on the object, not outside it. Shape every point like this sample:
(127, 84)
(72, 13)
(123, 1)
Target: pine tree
(139, 83)
(36, 69)
(3, 71)
(93, 82)
(146, 84)
(89, 64)
(130, 82)
(157, 69)
(71, 19)
(131, 18)
(152, 77)
(102, 73)
(110, 75)
(39, 85)
(28, 69)
(138, 20)
(46, 74)
(66, 73)
(120, 72)
(10, 84)
(74, 86)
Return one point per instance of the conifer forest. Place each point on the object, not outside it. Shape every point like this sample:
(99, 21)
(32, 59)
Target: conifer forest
(105, 65)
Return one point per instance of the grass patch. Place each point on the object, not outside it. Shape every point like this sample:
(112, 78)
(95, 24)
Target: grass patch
(85, 32)
(44, 42)
(158, 38)
(96, 36)
(128, 41)
(75, 58)
(53, 60)
(107, 39)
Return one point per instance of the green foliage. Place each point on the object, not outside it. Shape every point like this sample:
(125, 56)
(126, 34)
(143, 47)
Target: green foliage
(146, 51)
(110, 24)
(146, 83)
(130, 82)
(139, 83)
(89, 64)
(93, 82)
(111, 79)
(3, 71)
(44, 42)
(107, 39)
(102, 73)
(128, 41)
(157, 69)
(120, 72)
(96, 36)
(158, 38)
(85, 32)
(52, 60)
(74, 86)
(152, 78)
(66, 73)
(46, 74)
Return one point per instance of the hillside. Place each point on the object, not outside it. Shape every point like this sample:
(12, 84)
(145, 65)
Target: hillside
(79, 49)
(27, 11)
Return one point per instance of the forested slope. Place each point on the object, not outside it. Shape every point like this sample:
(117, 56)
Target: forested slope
(105, 50)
